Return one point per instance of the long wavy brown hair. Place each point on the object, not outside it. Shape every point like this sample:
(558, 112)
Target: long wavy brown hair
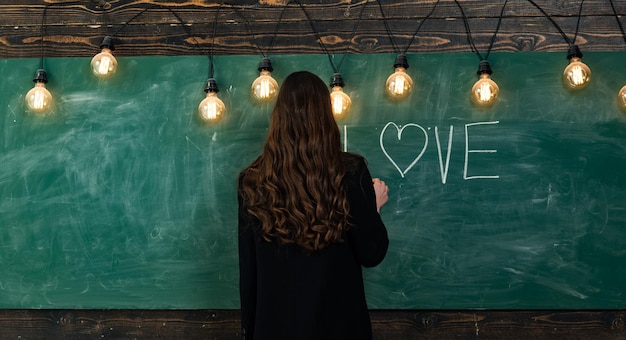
(295, 186)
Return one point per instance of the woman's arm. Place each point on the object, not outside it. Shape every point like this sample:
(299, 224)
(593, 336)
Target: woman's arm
(368, 235)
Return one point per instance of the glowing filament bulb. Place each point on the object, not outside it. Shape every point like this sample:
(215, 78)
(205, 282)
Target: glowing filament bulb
(211, 109)
(621, 99)
(265, 88)
(39, 99)
(339, 100)
(104, 63)
(485, 91)
(399, 84)
(576, 75)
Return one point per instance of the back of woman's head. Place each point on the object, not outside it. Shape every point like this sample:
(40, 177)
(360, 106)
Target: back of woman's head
(303, 114)
(295, 187)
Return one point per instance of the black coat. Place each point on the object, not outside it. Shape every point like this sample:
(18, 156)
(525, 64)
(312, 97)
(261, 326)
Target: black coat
(287, 293)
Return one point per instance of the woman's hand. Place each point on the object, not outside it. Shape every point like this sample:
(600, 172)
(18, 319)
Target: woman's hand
(381, 190)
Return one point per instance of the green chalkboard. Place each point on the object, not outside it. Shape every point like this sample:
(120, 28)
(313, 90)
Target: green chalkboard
(124, 199)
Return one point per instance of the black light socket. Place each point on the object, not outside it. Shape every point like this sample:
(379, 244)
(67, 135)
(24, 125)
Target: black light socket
(107, 42)
(337, 80)
(484, 68)
(265, 65)
(41, 76)
(401, 61)
(574, 51)
(211, 86)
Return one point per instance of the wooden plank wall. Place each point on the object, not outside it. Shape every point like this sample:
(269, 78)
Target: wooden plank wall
(76, 28)
(265, 27)
(387, 325)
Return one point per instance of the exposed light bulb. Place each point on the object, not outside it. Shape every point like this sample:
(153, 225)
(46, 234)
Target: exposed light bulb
(576, 75)
(621, 99)
(38, 99)
(339, 100)
(485, 91)
(399, 84)
(211, 109)
(104, 63)
(265, 88)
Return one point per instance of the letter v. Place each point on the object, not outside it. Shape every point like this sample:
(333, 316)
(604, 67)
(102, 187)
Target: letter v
(444, 172)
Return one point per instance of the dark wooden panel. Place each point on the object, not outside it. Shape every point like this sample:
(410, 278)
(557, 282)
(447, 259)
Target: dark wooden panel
(386, 324)
(76, 28)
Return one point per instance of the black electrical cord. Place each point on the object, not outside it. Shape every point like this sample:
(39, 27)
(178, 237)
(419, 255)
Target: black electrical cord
(254, 39)
(129, 21)
(336, 68)
(406, 50)
(580, 9)
(619, 23)
(42, 29)
(41, 38)
(391, 38)
(469, 32)
(184, 25)
(211, 66)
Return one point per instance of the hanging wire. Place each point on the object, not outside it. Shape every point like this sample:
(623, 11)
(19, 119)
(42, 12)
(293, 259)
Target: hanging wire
(186, 28)
(382, 14)
(256, 44)
(580, 10)
(43, 24)
(336, 68)
(391, 38)
(469, 32)
(211, 66)
(619, 23)
(180, 21)
(406, 50)
(129, 21)
(41, 38)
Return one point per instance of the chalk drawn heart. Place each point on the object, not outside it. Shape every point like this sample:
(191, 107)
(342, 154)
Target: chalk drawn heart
(400, 130)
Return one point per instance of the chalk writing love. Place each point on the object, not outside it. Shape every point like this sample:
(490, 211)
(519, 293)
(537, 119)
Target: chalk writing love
(400, 130)
(418, 141)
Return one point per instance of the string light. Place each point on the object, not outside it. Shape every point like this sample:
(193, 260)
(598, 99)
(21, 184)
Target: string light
(340, 101)
(265, 88)
(211, 108)
(485, 91)
(38, 99)
(399, 84)
(104, 64)
(576, 75)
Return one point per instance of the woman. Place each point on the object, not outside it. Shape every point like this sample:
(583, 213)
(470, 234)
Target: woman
(308, 222)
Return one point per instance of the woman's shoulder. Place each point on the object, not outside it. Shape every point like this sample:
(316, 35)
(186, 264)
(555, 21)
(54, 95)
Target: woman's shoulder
(352, 162)
(250, 171)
